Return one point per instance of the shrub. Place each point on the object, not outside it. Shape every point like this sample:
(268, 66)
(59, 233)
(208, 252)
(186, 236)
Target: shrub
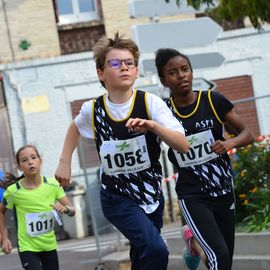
(252, 181)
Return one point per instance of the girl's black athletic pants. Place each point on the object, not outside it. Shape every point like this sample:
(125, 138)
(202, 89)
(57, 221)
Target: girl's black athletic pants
(45, 260)
(212, 222)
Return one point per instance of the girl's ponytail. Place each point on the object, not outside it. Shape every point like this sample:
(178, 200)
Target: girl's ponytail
(9, 179)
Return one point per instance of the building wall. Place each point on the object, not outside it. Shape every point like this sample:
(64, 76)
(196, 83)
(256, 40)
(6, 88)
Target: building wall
(34, 21)
(237, 88)
(60, 80)
(29, 20)
(247, 54)
(116, 18)
(63, 80)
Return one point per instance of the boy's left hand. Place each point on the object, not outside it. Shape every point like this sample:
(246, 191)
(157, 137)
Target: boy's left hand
(139, 125)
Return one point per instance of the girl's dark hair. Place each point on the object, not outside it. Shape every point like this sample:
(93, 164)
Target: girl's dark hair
(164, 55)
(10, 178)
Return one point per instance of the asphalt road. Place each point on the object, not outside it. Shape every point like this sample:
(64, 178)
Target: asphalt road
(83, 254)
(77, 254)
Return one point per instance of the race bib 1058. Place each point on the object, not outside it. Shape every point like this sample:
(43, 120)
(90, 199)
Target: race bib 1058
(124, 156)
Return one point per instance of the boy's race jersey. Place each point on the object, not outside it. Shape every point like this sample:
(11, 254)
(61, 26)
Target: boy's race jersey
(130, 160)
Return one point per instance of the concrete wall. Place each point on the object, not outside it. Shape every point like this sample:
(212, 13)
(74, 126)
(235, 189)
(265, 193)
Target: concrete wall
(60, 80)
(73, 77)
(247, 53)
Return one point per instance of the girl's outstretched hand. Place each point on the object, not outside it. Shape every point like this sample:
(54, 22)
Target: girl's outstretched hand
(64, 209)
(221, 147)
(59, 207)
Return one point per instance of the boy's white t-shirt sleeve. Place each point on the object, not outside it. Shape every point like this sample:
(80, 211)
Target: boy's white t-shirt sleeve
(158, 109)
(161, 113)
(83, 121)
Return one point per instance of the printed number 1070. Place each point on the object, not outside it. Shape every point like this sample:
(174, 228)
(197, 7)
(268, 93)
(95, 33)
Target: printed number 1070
(196, 151)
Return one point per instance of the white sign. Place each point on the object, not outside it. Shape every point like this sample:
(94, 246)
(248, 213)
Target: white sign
(156, 89)
(202, 84)
(147, 65)
(198, 61)
(152, 8)
(206, 60)
(176, 34)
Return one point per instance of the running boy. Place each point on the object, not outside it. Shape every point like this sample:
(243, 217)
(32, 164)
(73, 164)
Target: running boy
(127, 125)
(35, 199)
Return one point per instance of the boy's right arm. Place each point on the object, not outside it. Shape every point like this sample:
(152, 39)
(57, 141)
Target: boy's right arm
(63, 171)
(6, 244)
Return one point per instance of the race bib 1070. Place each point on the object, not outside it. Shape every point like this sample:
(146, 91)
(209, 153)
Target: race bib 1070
(200, 150)
(124, 156)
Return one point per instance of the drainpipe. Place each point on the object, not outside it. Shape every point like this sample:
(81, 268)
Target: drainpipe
(8, 31)
(20, 114)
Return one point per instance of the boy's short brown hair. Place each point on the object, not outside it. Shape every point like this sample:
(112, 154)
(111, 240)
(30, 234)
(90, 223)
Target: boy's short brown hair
(105, 44)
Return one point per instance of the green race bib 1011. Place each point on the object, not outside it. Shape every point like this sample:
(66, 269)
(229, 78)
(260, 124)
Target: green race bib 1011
(39, 223)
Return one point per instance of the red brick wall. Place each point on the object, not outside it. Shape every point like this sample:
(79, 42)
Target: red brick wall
(238, 88)
(76, 107)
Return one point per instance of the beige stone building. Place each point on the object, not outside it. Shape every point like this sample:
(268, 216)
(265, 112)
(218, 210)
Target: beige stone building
(31, 29)
(27, 30)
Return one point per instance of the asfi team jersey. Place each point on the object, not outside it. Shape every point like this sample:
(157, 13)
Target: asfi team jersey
(201, 172)
(33, 211)
(130, 160)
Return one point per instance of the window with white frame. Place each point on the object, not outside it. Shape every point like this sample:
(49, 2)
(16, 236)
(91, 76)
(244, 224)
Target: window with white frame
(74, 11)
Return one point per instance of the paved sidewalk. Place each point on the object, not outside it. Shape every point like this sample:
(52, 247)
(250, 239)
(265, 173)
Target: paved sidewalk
(251, 252)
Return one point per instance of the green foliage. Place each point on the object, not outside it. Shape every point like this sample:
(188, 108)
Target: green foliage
(259, 211)
(196, 4)
(252, 181)
(257, 11)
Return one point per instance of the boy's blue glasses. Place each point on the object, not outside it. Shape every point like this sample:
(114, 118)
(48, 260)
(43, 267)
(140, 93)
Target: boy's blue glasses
(117, 63)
